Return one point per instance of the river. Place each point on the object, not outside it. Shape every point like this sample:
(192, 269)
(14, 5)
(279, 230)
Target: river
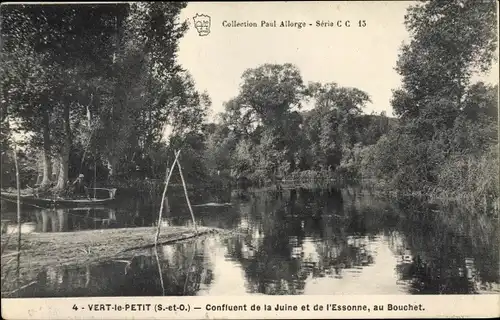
(298, 242)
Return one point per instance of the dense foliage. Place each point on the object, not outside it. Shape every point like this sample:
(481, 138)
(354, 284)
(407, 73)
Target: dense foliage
(101, 87)
(444, 141)
(447, 141)
(95, 85)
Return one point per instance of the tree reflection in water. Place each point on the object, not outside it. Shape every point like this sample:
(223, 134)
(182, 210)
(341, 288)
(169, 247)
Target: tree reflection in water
(313, 235)
(302, 242)
(449, 253)
(288, 242)
(73, 219)
(181, 266)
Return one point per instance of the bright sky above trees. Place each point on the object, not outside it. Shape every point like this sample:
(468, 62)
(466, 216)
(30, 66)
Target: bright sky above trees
(355, 57)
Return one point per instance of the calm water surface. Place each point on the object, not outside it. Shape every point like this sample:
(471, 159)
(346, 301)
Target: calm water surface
(296, 242)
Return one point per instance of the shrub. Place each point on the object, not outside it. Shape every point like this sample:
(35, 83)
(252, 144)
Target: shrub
(471, 176)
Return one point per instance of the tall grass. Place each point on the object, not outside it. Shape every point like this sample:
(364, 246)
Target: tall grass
(470, 179)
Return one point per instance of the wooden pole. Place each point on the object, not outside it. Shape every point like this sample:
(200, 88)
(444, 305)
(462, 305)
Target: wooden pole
(160, 273)
(189, 267)
(167, 205)
(167, 180)
(95, 175)
(187, 197)
(18, 186)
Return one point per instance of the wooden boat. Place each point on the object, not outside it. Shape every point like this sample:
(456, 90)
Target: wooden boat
(56, 201)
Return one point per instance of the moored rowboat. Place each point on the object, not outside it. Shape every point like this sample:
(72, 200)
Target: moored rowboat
(56, 201)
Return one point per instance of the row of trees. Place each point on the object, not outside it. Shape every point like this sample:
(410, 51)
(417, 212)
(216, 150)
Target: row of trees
(447, 140)
(104, 84)
(94, 84)
(98, 90)
(444, 139)
(263, 133)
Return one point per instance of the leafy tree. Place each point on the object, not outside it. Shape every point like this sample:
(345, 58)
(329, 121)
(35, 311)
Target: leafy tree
(262, 114)
(103, 83)
(271, 90)
(147, 87)
(220, 144)
(476, 128)
(445, 121)
(331, 125)
(451, 40)
(51, 70)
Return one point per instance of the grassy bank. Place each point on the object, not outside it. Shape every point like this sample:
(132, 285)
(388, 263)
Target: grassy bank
(39, 250)
(470, 200)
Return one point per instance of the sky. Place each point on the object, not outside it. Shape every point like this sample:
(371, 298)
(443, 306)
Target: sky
(361, 57)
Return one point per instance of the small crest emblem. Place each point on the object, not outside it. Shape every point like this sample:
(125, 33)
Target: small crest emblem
(202, 24)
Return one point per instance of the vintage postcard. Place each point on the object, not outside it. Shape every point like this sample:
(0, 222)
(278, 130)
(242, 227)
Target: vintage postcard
(249, 160)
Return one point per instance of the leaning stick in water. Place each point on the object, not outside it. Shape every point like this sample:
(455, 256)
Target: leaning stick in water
(160, 273)
(18, 186)
(187, 197)
(163, 196)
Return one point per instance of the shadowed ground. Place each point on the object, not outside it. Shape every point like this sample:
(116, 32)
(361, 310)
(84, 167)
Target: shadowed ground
(39, 250)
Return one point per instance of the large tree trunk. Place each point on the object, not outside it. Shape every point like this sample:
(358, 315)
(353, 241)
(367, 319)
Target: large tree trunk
(64, 154)
(55, 168)
(112, 164)
(47, 166)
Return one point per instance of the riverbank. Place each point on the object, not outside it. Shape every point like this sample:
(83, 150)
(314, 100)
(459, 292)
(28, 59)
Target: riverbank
(39, 250)
(473, 202)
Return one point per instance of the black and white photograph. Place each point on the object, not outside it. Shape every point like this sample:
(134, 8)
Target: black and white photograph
(168, 149)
